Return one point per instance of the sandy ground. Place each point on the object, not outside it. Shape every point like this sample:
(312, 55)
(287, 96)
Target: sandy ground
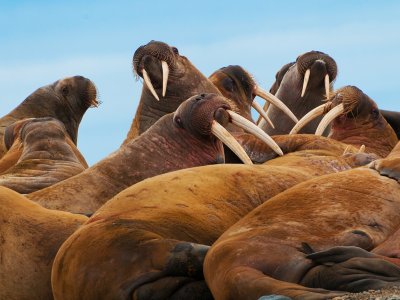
(384, 294)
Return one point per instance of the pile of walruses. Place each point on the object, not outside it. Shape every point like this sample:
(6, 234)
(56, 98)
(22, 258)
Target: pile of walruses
(201, 201)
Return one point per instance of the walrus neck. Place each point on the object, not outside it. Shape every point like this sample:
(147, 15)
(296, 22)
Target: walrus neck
(376, 138)
(50, 150)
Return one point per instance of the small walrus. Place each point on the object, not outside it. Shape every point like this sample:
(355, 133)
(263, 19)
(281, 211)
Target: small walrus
(187, 138)
(48, 155)
(169, 79)
(284, 247)
(66, 100)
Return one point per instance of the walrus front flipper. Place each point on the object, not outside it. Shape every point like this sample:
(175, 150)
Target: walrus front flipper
(351, 269)
(389, 166)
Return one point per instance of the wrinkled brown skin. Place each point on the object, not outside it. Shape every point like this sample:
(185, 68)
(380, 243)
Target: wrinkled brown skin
(290, 87)
(30, 237)
(362, 124)
(48, 156)
(268, 251)
(66, 100)
(184, 81)
(165, 147)
(154, 233)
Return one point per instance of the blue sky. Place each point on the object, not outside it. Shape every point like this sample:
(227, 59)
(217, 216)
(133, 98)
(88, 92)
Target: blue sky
(42, 41)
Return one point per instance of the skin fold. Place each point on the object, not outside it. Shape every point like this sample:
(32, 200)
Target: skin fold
(48, 155)
(184, 81)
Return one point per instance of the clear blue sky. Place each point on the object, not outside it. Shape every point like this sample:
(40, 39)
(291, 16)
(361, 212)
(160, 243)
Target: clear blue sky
(42, 41)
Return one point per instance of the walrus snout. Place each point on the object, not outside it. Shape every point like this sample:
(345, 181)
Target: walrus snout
(307, 60)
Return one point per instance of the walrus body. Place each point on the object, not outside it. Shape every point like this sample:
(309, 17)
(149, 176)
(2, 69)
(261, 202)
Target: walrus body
(290, 89)
(184, 81)
(393, 118)
(176, 141)
(66, 100)
(48, 155)
(30, 237)
(268, 252)
(156, 232)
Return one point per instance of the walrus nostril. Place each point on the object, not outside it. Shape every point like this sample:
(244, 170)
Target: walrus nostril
(198, 98)
(203, 95)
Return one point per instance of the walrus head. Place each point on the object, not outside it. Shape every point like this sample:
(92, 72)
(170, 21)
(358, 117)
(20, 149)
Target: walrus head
(237, 85)
(205, 116)
(279, 76)
(303, 86)
(66, 100)
(169, 79)
(356, 120)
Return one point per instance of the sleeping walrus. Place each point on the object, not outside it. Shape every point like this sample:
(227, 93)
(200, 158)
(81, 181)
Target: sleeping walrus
(48, 155)
(271, 251)
(66, 100)
(187, 138)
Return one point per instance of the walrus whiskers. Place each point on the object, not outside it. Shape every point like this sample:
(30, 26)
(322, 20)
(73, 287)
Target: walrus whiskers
(305, 82)
(250, 127)
(147, 80)
(165, 72)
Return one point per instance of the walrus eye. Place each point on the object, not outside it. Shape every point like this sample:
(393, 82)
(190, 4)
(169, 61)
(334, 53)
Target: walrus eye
(375, 113)
(65, 90)
(175, 50)
(178, 121)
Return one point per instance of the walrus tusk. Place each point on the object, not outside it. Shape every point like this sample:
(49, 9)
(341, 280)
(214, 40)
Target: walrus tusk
(262, 113)
(261, 121)
(149, 85)
(327, 86)
(346, 150)
(329, 117)
(165, 72)
(305, 82)
(252, 128)
(362, 149)
(275, 101)
(311, 115)
(225, 137)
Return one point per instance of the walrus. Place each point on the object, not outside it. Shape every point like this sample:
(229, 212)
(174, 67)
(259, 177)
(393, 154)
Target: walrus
(187, 138)
(276, 248)
(66, 100)
(356, 121)
(169, 79)
(156, 233)
(303, 87)
(30, 237)
(48, 155)
(393, 118)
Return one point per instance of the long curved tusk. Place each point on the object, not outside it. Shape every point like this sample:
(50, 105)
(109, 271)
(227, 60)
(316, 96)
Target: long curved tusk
(329, 117)
(261, 121)
(311, 115)
(165, 73)
(327, 86)
(362, 149)
(225, 137)
(262, 113)
(149, 84)
(305, 82)
(275, 101)
(253, 129)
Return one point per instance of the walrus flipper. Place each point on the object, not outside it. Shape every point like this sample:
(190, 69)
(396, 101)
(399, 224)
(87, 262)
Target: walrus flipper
(182, 277)
(352, 269)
